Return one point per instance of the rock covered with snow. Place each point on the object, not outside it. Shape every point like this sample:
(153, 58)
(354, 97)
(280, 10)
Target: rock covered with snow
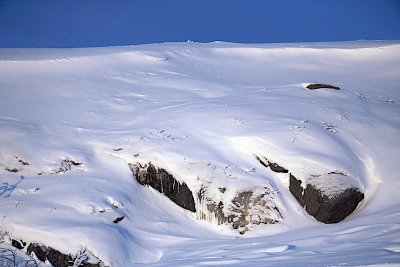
(18, 253)
(329, 198)
(59, 259)
(218, 205)
(242, 209)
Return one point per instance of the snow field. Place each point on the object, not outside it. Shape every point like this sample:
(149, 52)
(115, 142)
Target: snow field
(202, 112)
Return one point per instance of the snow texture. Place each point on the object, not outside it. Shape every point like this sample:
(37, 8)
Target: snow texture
(71, 120)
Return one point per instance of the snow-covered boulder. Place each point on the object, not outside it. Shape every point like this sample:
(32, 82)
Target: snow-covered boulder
(329, 198)
(239, 207)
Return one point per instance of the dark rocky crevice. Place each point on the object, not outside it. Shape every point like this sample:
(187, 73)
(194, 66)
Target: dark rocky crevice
(164, 183)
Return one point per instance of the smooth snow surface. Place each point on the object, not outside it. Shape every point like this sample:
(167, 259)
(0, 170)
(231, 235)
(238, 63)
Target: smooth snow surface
(72, 119)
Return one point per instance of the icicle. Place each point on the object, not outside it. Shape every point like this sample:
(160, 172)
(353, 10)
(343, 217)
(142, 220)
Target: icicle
(203, 213)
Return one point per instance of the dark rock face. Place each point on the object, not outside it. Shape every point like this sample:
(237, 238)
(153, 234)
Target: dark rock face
(325, 208)
(296, 189)
(314, 86)
(55, 257)
(18, 244)
(117, 220)
(272, 165)
(164, 183)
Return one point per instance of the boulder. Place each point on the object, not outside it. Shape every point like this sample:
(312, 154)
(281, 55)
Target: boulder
(329, 198)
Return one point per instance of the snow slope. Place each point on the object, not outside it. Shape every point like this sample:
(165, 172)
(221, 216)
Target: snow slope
(72, 119)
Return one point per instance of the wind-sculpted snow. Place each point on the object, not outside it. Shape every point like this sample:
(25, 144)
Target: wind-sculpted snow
(72, 120)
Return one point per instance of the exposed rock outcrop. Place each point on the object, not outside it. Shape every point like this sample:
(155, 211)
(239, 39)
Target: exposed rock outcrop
(314, 86)
(272, 165)
(164, 183)
(18, 244)
(245, 209)
(56, 258)
(330, 199)
(217, 205)
(117, 220)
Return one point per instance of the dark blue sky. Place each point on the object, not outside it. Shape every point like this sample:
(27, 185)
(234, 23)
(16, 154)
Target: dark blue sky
(83, 23)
